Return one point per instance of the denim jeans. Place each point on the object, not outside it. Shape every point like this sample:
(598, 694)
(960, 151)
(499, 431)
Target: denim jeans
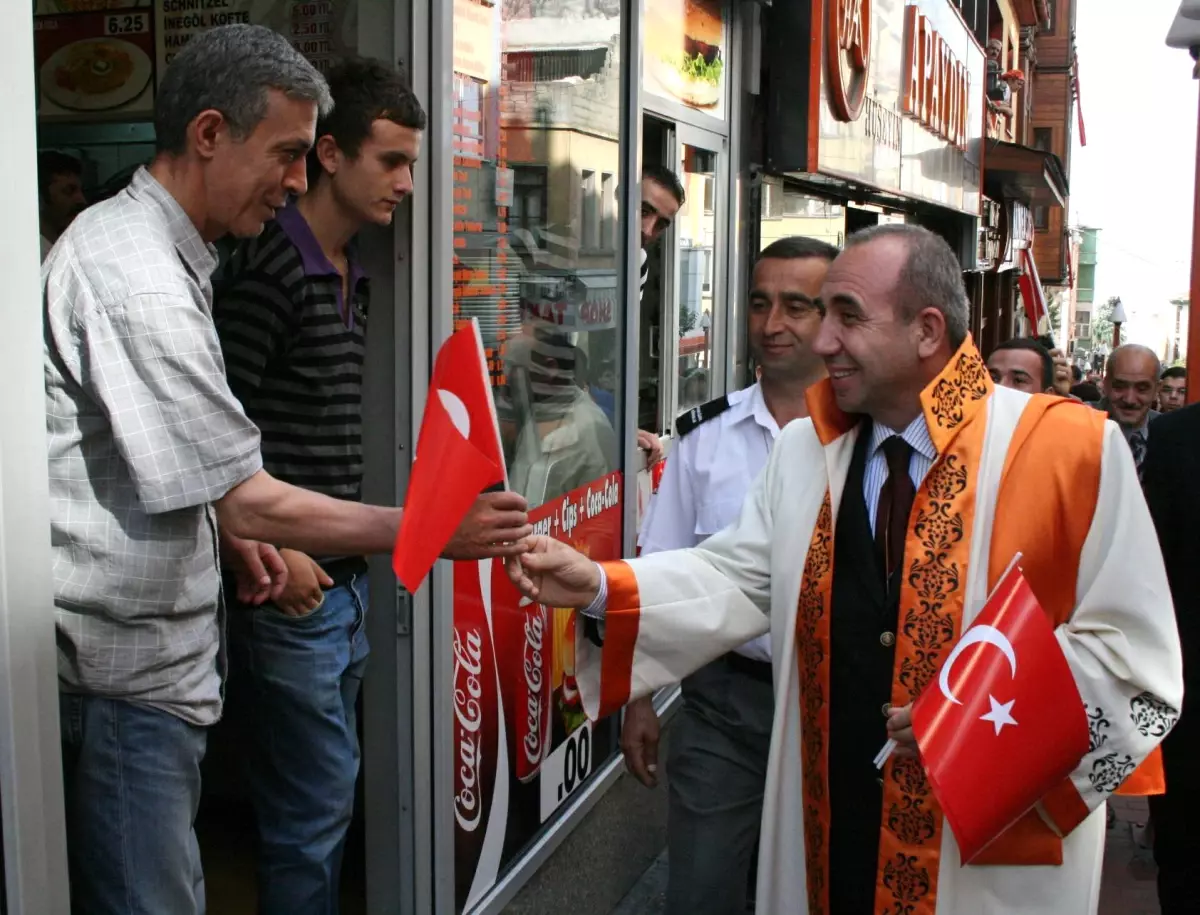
(131, 779)
(301, 678)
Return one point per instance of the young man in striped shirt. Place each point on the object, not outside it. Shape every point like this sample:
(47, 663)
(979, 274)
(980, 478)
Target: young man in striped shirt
(291, 309)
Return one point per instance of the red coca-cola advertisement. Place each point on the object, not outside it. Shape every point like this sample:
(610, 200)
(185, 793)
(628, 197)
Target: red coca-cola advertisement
(479, 732)
(523, 745)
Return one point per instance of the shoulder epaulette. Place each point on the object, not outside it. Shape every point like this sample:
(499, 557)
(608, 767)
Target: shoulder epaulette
(697, 416)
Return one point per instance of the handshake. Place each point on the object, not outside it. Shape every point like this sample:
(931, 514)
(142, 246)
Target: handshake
(495, 527)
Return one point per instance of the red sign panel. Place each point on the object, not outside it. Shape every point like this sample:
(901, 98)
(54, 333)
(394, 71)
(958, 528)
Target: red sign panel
(523, 744)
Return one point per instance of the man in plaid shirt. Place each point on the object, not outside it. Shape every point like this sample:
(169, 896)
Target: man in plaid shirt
(149, 451)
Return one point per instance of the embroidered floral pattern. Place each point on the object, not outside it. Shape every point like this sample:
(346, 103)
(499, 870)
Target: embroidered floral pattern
(814, 845)
(912, 821)
(909, 775)
(1151, 716)
(937, 550)
(907, 881)
(1109, 771)
(1098, 727)
(967, 382)
(811, 625)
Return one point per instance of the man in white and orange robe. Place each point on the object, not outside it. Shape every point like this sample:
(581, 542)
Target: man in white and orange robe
(1009, 473)
(1039, 476)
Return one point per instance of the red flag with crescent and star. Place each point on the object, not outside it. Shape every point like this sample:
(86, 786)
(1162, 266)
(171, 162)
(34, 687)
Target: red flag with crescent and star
(1004, 722)
(458, 455)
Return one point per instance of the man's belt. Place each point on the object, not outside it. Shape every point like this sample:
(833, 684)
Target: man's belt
(342, 570)
(758, 670)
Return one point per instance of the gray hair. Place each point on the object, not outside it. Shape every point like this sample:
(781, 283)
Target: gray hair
(1132, 348)
(230, 69)
(930, 278)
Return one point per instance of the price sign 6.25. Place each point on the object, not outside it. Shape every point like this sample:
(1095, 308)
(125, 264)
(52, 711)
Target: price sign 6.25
(565, 769)
(126, 23)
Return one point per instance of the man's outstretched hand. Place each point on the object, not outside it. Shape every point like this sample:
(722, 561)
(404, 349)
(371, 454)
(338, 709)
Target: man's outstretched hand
(496, 525)
(552, 573)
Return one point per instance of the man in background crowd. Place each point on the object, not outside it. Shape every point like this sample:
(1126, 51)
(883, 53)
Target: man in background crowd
(1172, 389)
(1024, 365)
(60, 195)
(1130, 388)
(722, 734)
(150, 452)
(291, 310)
(1171, 482)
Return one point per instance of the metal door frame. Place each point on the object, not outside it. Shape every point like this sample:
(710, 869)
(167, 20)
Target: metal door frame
(681, 135)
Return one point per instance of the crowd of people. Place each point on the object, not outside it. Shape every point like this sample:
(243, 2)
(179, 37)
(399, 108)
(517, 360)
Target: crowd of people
(204, 421)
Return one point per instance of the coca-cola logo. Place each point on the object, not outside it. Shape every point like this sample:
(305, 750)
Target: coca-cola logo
(468, 663)
(534, 631)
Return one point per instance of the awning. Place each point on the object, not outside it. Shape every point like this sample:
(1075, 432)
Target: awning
(1033, 295)
(1016, 172)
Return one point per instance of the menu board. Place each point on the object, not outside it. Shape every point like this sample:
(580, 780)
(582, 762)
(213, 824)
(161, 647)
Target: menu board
(100, 60)
(95, 65)
(321, 30)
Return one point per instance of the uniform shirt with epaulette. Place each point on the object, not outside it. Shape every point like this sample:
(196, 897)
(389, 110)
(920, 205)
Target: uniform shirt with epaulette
(723, 445)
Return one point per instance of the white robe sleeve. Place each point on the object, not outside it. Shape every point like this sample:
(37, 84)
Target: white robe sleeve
(1121, 642)
(671, 613)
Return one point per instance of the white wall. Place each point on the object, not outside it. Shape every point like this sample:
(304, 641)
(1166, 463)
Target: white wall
(30, 761)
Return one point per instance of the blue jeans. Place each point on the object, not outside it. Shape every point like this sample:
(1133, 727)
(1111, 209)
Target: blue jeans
(301, 678)
(131, 779)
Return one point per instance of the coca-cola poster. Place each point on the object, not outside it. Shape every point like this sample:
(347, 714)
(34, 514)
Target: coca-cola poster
(523, 745)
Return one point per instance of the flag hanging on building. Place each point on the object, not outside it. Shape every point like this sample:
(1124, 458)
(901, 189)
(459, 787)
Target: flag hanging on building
(1004, 723)
(458, 455)
(1034, 295)
(1078, 100)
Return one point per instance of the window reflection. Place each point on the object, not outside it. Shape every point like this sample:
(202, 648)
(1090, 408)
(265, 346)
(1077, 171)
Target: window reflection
(535, 233)
(788, 211)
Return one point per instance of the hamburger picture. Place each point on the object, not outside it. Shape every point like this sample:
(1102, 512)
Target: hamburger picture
(683, 50)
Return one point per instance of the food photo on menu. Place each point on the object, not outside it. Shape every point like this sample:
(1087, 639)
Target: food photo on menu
(684, 52)
(94, 57)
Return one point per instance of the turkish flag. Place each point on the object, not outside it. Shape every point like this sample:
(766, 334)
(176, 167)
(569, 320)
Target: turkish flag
(1004, 723)
(458, 455)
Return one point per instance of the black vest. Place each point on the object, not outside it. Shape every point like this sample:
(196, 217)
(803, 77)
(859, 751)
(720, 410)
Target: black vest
(863, 618)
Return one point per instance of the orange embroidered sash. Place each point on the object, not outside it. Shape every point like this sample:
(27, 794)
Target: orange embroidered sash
(936, 554)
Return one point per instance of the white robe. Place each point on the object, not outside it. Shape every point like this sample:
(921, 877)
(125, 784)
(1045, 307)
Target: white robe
(1121, 642)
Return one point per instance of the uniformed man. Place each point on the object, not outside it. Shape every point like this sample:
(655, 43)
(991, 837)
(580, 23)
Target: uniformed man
(718, 753)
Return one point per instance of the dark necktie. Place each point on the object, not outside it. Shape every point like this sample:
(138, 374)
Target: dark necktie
(1137, 444)
(895, 504)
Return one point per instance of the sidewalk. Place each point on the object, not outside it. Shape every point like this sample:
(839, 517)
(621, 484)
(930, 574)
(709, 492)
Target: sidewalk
(1127, 888)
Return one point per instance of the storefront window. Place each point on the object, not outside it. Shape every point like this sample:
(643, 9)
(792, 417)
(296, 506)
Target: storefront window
(536, 260)
(798, 213)
(697, 243)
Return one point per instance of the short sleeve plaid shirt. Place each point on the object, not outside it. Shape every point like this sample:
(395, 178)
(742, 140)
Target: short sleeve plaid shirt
(143, 435)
